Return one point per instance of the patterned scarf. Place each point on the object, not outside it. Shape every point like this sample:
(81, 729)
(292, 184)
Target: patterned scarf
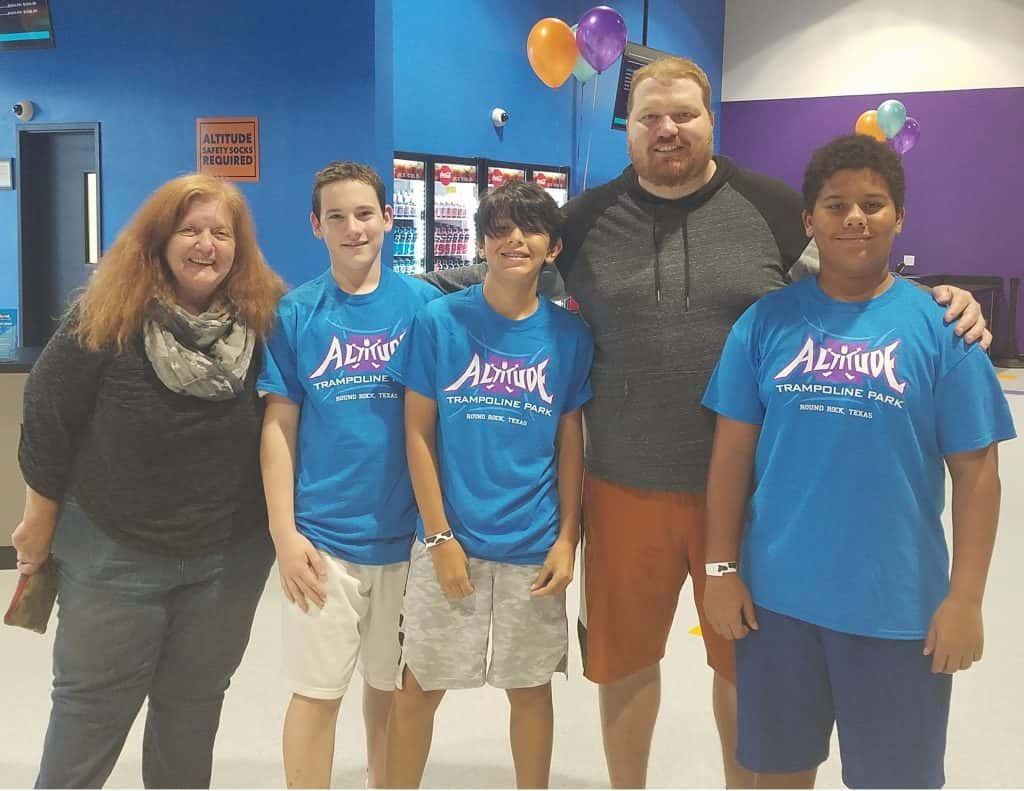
(205, 356)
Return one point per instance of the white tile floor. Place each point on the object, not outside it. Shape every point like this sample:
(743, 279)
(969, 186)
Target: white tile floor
(471, 744)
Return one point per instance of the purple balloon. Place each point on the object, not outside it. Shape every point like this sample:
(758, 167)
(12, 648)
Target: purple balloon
(601, 36)
(905, 139)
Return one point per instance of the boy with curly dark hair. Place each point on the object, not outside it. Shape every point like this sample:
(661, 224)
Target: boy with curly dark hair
(843, 607)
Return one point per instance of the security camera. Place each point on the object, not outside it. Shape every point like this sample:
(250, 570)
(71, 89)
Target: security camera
(499, 117)
(23, 110)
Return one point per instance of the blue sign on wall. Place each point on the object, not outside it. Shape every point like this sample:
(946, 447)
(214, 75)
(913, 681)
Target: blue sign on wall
(8, 332)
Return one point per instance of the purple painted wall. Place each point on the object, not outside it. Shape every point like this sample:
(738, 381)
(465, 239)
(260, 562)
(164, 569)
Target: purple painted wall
(964, 176)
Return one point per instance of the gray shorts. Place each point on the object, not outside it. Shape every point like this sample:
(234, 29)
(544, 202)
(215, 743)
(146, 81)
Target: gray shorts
(445, 642)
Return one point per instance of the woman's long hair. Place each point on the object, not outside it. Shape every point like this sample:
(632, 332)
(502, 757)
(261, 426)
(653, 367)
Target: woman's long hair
(133, 272)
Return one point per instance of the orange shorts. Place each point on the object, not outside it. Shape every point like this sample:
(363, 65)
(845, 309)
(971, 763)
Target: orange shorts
(638, 547)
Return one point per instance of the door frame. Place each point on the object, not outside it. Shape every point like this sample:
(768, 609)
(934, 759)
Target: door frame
(49, 129)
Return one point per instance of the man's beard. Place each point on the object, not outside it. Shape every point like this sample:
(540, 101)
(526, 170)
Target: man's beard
(670, 172)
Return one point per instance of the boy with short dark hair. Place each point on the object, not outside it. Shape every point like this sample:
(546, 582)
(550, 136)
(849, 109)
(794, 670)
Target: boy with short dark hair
(495, 380)
(338, 493)
(853, 379)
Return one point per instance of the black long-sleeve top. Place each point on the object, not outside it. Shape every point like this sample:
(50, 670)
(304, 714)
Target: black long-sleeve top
(164, 472)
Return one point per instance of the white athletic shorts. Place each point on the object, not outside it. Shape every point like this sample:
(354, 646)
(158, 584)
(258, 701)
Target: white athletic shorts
(359, 623)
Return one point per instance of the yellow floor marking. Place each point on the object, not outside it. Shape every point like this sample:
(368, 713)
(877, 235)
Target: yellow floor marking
(696, 630)
(1005, 375)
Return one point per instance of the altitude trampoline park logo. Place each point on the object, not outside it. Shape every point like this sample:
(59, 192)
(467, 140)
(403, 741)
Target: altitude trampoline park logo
(360, 357)
(499, 387)
(851, 369)
(505, 376)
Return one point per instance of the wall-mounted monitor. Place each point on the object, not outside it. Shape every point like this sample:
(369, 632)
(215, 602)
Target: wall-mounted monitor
(634, 57)
(25, 24)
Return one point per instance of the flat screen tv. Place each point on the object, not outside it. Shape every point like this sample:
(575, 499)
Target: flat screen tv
(634, 57)
(25, 24)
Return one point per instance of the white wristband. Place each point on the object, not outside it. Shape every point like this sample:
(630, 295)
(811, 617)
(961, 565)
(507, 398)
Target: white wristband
(721, 569)
(437, 539)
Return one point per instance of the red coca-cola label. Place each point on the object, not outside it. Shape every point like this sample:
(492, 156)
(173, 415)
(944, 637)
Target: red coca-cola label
(541, 179)
(444, 175)
(497, 178)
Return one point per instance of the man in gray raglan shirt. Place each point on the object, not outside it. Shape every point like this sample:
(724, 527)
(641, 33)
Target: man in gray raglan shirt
(661, 262)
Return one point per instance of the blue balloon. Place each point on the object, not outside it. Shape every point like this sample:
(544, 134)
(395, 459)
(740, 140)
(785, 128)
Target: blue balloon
(891, 117)
(583, 71)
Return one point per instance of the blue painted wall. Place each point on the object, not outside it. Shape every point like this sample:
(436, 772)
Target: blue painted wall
(325, 84)
(457, 60)
(146, 71)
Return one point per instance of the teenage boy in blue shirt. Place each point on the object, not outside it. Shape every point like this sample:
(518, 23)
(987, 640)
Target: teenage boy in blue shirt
(495, 380)
(843, 606)
(341, 507)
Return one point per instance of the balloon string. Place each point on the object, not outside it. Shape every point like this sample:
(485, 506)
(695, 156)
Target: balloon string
(590, 133)
(583, 125)
(580, 112)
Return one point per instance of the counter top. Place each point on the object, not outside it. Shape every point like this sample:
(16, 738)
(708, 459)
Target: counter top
(22, 362)
(970, 282)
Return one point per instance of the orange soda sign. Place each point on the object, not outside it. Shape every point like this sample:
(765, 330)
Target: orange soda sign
(229, 148)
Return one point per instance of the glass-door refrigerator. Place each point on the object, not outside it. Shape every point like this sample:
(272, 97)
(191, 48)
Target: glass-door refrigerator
(553, 178)
(498, 173)
(409, 203)
(435, 198)
(455, 197)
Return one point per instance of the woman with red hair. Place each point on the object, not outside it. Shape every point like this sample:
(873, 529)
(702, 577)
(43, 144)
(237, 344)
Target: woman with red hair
(140, 450)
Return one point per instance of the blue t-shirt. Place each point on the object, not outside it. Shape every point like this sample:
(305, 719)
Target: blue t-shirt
(353, 496)
(501, 387)
(858, 404)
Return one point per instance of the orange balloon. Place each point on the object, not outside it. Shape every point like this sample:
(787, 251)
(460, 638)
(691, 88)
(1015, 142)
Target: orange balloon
(551, 48)
(867, 124)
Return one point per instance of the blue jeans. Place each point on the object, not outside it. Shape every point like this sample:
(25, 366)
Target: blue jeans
(133, 625)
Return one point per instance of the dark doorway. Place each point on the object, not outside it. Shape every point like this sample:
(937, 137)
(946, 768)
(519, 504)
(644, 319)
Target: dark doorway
(58, 218)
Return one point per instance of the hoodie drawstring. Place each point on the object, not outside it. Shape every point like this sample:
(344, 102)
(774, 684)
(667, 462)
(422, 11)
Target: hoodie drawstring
(657, 261)
(686, 262)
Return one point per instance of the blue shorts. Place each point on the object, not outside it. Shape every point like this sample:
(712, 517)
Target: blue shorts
(794, 679)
